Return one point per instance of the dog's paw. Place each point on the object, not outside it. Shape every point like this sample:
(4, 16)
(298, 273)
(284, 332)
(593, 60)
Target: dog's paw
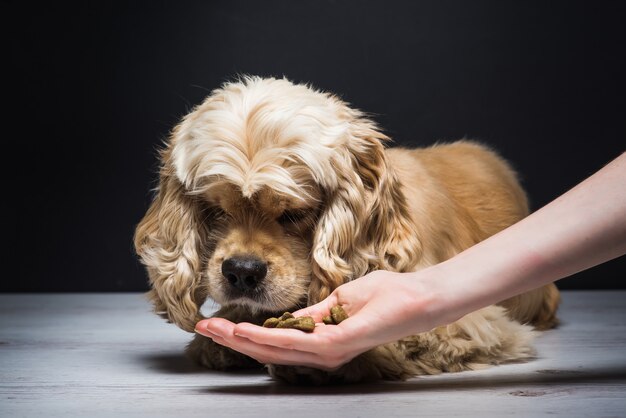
(217, 357)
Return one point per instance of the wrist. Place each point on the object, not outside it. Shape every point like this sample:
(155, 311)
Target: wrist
(435, 300)
(486, 274)
(457, 287)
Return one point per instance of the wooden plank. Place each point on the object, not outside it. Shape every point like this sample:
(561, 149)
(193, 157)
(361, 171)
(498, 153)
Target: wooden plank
(107, 355)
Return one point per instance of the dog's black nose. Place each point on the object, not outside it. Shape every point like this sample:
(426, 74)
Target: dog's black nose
(244, 273)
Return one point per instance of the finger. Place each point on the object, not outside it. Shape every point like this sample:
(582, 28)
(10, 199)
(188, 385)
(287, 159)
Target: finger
(215, 327)
(270, 354)
(290, 339)
(319, 310)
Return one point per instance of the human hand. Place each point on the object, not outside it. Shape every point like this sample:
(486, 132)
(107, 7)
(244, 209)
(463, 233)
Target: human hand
(382, 307)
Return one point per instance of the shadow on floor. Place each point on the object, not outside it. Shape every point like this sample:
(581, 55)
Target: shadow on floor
(179, 363)
(543, 382)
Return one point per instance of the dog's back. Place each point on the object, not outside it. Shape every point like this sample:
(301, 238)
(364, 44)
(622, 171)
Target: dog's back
(460, 194)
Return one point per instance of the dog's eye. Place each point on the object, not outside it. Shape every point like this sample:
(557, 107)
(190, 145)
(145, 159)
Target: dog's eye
(292, 216)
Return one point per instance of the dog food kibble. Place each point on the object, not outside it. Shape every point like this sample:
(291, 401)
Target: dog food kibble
(285, 316)
(338, 314)
(305, 323)
(287, 320)
(271, 322)
(287, 323)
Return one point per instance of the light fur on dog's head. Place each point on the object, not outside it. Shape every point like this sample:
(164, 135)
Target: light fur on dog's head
(280, 172)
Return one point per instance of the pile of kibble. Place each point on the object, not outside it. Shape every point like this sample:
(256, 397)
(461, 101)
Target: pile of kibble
(305, 323)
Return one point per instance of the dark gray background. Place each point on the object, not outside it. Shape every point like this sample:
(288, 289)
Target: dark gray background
(93, 90)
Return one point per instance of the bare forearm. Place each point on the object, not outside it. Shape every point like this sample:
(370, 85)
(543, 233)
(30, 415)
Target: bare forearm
(582, 228)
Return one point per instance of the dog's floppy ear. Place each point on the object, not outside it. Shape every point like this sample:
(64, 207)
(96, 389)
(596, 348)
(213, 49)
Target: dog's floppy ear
(366, 224)
(170, 240)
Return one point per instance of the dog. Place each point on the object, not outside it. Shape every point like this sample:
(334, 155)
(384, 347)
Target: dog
(271, 194)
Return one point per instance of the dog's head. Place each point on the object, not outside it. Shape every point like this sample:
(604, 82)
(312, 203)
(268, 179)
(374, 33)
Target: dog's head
(271, 195)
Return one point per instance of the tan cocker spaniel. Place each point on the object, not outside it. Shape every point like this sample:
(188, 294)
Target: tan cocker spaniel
(272, 194)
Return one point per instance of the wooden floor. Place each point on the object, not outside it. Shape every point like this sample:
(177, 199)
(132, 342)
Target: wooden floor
(107, 355)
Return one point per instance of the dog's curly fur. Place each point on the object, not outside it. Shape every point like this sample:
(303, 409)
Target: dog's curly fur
(297, 179)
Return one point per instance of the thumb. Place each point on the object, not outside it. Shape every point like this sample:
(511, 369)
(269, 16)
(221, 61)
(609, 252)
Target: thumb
(319, 310)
